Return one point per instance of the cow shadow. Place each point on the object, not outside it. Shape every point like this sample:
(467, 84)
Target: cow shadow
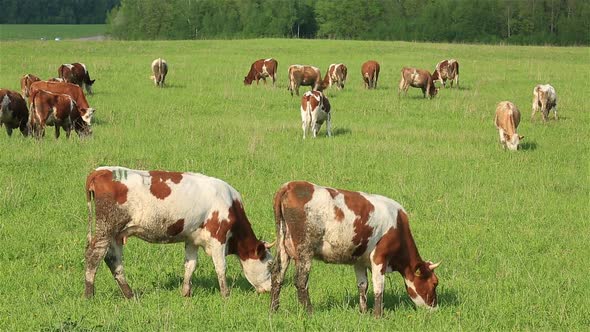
(174, 86)
(173, 281)
(528, 146)
(341, 131)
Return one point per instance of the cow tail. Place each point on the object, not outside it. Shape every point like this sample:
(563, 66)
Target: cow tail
(159, 78)
(457, 74)
(279, 218)
(89, 198)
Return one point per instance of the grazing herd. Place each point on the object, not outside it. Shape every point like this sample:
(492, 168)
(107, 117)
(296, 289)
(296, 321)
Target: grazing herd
(366, 231)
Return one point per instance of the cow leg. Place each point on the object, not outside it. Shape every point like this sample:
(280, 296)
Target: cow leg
(378, 286)
(302, 282)
(218, 256)
(544, 111)
(190, 263)
(555, 111)
(363, 284)
(278, 271)
(95, 251)
(114, 260)
(329, 125)
(57, 131)
(8, 130)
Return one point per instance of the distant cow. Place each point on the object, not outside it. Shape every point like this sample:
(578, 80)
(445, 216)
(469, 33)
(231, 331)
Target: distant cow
(417, 78)
(370, 71)
(70, 89)
(507, 120)
(545, 99)
(304, 75)
(262, 68)
(447, 70)
(336, 75)
(159, 71)
(170, 207)
(25, 83)
(346, 227)
(76, 73)
(13, 112)
(315, 109)
(60, 111)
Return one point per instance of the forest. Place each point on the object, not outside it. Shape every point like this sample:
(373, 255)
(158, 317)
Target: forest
(552, 22)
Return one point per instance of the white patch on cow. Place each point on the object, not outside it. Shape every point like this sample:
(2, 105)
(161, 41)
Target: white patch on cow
(69, 65)
(85, 70)
(88, 116)
(5, 112)
(418, 300)
(258, 274)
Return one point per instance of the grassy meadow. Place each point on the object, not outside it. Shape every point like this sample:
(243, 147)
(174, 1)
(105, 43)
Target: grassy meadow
(50, 31)
(511, 228)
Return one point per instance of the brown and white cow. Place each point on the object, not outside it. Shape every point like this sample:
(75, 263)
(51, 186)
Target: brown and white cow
(76, 73)
(447, 70)
(315, 109)
(300, 75)
(506, 120)
(55, 79)
(60, 111)
(13, 112)
(544, 99)
(25, 83)
(70, 89)
(370, 71)
(262, 68)
(336, 75)
(169, 207)
(159, 71)
(417, 78)
(345, 227)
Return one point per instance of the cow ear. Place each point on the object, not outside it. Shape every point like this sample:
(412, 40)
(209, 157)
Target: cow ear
(521, 137)
(92, 82)
(418, 272)
(261, 250)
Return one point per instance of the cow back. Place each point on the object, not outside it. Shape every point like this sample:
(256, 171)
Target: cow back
(70, 89)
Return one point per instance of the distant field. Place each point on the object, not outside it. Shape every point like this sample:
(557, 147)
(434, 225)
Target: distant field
(511, 228)
(50, 31)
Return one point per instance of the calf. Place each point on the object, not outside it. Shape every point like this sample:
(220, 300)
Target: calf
(159, 71)
(315, 109)
(447, 70)
(25, 83)
(76, 73)
(262, 68)
(417, 78)
(306, 76)
(13, 112)
(59, 110)
(345, 227)
(370, 71)
(336, 75)
(169, 207)
(545, 99)
(507, 120)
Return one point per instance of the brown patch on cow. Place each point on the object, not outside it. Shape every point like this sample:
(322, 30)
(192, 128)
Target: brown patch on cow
(338, 213)
(333, 192)
(159, 188)
(362, 208)
(102, 184)
(293, 201)
(243, 241)
(175, 228)
(217, 228)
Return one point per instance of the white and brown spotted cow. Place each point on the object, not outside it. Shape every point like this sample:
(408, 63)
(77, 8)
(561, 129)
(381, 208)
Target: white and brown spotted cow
(447, 70)
(336, 75)
(25, 83)
(345, 227)
(370, 71)
(544, 99)
(13, 112)
(262, 68)
(315, 109)
(506, 120)
(300, 75)
(159, 71)
(417, 78)
(60, 111)
(69, 89)
(76, 73)
(169, 207)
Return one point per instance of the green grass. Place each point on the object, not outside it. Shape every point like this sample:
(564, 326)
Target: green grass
(510, 227)
(50, 31)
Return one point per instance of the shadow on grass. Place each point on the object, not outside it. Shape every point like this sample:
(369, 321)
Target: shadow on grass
(341, 131)
(173, 282)
(528, 146)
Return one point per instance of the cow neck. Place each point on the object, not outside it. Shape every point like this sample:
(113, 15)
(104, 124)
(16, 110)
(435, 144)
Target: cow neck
(243, 241)
(408, 253)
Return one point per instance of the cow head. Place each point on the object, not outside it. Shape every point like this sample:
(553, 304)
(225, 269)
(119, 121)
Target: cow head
(89, 87)
(82, 124)
(247, 80)
(257, 267)
(421, 285)
(513, 142)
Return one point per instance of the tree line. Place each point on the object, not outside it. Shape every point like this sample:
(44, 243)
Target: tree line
(55, 11)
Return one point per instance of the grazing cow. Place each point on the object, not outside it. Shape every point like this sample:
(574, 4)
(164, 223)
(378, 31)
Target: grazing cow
(345, 227)
(66, 88)
(76, 73)
(507, 120)
(304, 75)
(169, 207)
(262, 68)
(370, 71)
(59, 110)
(545, 99)
(447, 70)
(13, 112)
(159, 71)
(336, 74)
(417, 78)
(315, 109)
(25, 83)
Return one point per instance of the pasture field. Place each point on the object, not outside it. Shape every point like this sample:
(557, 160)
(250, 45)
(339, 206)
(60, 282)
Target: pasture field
(50, 31)
(511, 228)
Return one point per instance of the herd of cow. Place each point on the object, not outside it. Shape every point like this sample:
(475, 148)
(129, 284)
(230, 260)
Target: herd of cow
(333, 225)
